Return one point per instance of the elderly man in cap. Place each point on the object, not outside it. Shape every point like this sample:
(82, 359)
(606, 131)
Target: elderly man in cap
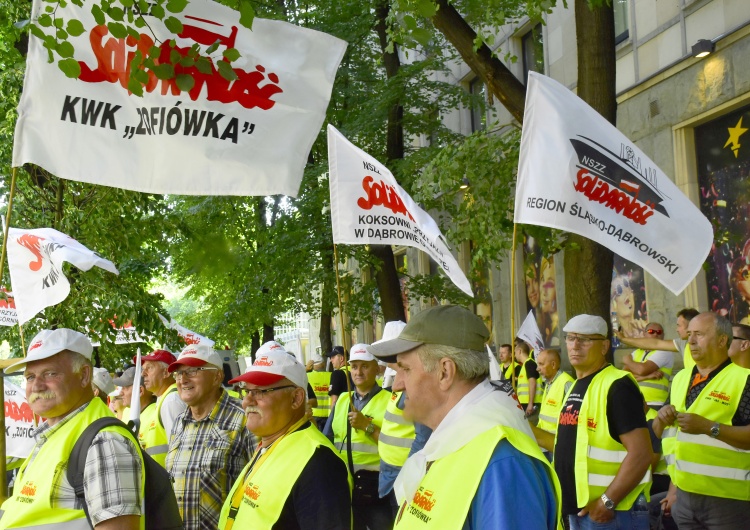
(355, 429)
(147, 402)
(209, 445)
(480, 469)
(159, 381)
(296, 478)
(602, 451)
(58, 374)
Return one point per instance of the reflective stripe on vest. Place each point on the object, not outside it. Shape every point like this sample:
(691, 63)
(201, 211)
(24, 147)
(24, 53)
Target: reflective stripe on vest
(396, 435)
(655, 391)
(268, 489)
(522, 391)
(31, 504)
(553, 401)
(320, 383)
(698, 463)
(439, 504)
(598, 457)
(364, 448)
(154, 439)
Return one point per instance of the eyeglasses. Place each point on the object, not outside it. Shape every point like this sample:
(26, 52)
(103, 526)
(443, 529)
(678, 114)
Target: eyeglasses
(654, 331)
(190, 372)
(258, 393)
(583, 341)
(620, 288)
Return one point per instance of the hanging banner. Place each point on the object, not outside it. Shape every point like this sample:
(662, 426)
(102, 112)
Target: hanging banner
(577, 172)
(19, 422)
(190, 337)
(8, 314)
(35, 259)
(250, 136)
(369, 207)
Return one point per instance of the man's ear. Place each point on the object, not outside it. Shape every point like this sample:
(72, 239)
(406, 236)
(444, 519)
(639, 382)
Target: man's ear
(446, 373)
(299, 398)
(86, 372)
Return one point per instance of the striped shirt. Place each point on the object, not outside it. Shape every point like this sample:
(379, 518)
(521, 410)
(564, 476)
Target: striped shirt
(111, 478)
(205, 458)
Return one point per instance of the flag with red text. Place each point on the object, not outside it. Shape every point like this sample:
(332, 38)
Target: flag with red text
(35, 259)
(369, 207)
(249, 136)
(8, 315)
(577, 172)
(19, 422)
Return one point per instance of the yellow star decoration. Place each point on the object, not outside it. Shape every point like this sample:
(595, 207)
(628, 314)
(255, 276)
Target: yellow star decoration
(734, 137)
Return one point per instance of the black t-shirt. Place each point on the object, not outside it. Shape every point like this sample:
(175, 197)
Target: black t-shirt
(531, 369)
(319, 499)
(741, 418)
(338, 382)
(624, 414)
(310, 392)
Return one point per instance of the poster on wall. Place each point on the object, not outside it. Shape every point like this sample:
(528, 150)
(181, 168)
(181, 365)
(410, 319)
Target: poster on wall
(541, 291)
(723, 151)
(628, 309)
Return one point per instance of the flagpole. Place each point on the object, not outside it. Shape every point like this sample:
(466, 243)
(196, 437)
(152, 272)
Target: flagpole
(341, 320)
(512, 307)
(3, 483)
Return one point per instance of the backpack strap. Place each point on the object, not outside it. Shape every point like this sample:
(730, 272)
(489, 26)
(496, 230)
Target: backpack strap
(77, 460)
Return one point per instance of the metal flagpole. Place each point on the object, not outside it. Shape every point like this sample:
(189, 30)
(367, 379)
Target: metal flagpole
(512, 307)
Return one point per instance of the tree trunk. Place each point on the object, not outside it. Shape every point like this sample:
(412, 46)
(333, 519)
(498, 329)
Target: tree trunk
(268, 332)
(386, 276)
(254, 344)
(326, 307)
(588, 265)
(499, 80)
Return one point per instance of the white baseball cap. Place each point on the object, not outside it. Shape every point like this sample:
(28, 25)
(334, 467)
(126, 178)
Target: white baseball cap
(197, 355)
(50, 342)
(103, 380)
(359, 352)
(273, 365)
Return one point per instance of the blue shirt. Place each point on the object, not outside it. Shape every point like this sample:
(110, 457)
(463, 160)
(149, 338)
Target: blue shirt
(515, 492)
(388, 473)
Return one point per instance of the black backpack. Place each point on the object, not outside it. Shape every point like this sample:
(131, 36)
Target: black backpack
(161, 510)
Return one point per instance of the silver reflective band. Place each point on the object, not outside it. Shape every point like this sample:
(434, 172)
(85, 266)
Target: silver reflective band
(394, 418)
(157, 449)
(704, 439)
(712, 471)
(606, 455)
(605, 480)
(364, 448)
(393, 440)
(653, 385)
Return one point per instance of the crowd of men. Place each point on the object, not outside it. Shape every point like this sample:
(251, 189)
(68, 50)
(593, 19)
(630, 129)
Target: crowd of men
(441, 447)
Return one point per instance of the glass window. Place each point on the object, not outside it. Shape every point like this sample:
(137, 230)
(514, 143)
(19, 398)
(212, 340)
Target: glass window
(478, 114)
(622, 20)
(532, 45)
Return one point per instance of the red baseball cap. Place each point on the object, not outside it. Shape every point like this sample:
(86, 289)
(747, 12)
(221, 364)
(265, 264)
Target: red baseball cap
(158, 355)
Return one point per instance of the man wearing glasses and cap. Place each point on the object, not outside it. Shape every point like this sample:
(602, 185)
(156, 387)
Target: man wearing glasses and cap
(58, 374)
(480, 468)
(209, 445)
(652, 369)
(602, 451)
(296, 479)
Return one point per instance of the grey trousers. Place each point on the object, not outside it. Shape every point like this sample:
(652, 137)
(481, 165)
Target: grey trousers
(692, 511)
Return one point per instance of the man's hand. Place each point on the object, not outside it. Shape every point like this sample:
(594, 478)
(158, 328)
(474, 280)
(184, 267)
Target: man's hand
(529, 409)
(597, 512)
(658, 374)
(666, 416)
(693, 423)
(358, 420)
(668, 501)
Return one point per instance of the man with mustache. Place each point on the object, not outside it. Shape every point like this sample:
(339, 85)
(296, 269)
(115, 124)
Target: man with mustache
(296, 479)
(209, 444)
(58, 374)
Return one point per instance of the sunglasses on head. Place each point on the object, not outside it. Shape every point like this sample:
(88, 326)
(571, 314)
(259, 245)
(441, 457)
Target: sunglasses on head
(624, 284)
(654, 331)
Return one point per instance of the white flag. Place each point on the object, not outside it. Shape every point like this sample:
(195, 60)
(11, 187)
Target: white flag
(495, 372)
(529, 331)
(19, 422)
(369, 207)
(190, 337)
(250, 136)
(578, 173)
(35, 259)
(8, 314)
(135, 397)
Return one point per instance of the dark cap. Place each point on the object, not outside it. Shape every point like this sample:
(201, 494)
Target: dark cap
(337, 350)
(449, 325)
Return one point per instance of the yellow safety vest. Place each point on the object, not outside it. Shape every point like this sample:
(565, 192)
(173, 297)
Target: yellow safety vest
(696, 462)
(155, 440)
(364, 448)
(396, 435)
(655, 391)
(147, 416)
(687, 358)
(523, 386)
(553, 401)
(598, 457)
(508, 372)
(321, 382)
(266, 490)
(661, 465)
(30, 506)
(438, 502)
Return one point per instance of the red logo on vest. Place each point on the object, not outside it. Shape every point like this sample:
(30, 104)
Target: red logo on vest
(720, 396)
(590, 423)
(252, 491)
(29, 489)
(423, 499)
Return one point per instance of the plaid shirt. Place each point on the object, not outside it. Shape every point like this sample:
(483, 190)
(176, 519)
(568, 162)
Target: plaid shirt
(111, 478)
(205, 458)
